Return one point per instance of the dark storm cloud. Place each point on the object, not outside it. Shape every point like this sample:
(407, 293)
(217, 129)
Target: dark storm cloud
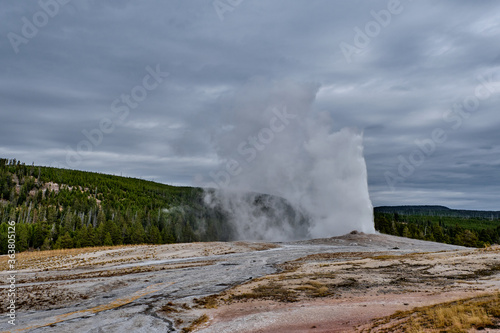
(399, 87)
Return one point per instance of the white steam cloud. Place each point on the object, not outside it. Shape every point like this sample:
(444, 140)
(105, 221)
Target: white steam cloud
(270, 141)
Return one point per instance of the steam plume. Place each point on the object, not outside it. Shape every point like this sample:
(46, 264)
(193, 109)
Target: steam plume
(270, 141)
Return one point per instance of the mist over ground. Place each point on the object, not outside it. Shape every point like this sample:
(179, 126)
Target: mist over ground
(269, 141)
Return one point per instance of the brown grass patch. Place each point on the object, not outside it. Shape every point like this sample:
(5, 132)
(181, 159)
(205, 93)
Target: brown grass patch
(457, 316)
(316, 289)
(118, 272)
(209, 302)
(195, 324)
(257, 246)
(40, 259)
(169, 308)
(270, 291)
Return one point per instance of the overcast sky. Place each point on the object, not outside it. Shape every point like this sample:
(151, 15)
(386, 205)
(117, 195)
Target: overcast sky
(149, 81)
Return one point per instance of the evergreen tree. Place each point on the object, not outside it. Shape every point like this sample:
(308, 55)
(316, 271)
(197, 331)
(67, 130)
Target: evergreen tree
(154, 235)
(107, 240)
(64, 242)
(138, 234)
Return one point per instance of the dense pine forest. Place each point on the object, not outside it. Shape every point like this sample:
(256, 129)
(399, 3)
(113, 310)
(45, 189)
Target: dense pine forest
(59, 208)
(459, 227)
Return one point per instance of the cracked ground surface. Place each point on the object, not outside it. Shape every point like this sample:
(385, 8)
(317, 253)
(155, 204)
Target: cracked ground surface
(329, 285)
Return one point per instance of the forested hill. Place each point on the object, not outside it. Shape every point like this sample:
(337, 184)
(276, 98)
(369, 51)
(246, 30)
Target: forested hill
(60, 208)
(437, 211)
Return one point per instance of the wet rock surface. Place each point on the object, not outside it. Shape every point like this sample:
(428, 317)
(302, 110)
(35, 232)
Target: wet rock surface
(132, 295)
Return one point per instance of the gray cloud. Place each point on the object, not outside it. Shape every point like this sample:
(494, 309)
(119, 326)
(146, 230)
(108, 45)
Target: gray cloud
(397, 89)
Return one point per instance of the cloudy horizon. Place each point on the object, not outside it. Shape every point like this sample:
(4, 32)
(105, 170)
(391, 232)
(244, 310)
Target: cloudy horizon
(146, 89)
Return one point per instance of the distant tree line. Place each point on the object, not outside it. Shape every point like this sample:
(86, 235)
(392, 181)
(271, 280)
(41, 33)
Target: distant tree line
(471, 232)
(439, 211)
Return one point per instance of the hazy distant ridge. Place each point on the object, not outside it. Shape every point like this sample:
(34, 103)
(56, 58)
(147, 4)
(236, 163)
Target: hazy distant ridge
(435, 210)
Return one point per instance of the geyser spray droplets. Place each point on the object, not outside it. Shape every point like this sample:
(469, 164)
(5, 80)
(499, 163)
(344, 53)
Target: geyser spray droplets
(320, 173)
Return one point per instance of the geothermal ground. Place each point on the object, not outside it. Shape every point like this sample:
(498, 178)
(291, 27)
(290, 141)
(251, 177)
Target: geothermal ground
(340, 284)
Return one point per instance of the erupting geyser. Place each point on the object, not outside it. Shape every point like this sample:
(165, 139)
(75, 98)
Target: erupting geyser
(270, 141)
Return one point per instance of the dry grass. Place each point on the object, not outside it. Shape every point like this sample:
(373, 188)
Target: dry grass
(270, 291)
(169, 308)
(209, 302)
(286, 288)
(257, 246)
(114, 272)
(386, 257)
(458, 316)
(316, 289)
(195, 324)
(63, 257)
(181, 314)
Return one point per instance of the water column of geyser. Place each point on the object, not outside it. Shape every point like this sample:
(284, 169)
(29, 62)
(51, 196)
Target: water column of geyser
(277, 145)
